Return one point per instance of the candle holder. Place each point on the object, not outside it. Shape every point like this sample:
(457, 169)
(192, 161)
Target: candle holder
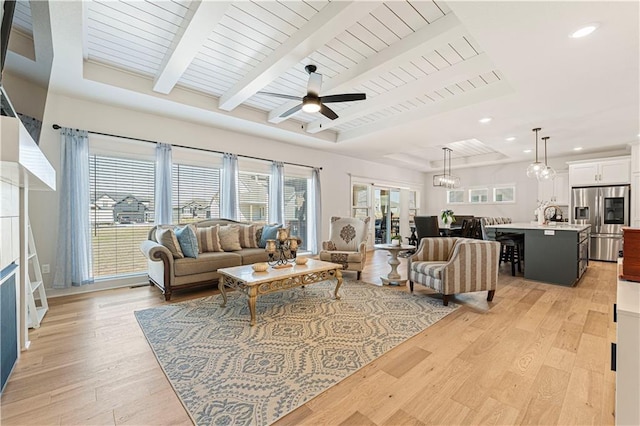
(282, 251)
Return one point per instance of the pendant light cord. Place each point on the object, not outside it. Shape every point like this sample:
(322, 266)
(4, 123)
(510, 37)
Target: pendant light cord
(537, 129)
(545, 149)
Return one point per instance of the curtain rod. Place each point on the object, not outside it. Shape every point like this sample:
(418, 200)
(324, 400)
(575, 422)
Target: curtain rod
(57, 127)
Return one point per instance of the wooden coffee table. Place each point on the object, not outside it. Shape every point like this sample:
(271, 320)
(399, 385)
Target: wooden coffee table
(253, 284)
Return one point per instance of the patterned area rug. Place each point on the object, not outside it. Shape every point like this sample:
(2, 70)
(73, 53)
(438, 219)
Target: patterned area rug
(227, 372)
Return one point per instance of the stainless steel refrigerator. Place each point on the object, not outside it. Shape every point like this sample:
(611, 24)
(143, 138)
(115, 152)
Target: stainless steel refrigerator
(607, 210)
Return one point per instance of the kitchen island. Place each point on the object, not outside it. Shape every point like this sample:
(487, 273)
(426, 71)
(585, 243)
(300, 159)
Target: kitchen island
(555, 254)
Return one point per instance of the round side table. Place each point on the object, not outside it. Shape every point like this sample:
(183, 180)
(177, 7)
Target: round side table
(393, 277)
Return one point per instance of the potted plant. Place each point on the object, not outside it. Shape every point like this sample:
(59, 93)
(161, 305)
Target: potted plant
(396, 240)
(447, 217)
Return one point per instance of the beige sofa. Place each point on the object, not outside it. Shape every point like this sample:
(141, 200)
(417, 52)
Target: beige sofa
(170, 274)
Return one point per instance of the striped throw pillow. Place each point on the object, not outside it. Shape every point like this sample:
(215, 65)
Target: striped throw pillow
(209, 239)
(167, 238)
(248, 236)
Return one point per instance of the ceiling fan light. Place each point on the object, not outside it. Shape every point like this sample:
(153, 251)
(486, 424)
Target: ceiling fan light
(311, 105)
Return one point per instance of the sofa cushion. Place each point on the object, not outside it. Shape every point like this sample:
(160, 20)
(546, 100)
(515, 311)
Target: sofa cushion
(206, 262)
(188, 241)
(430, 269)
(167, 237)
(248, 236)
(253, 255)
(269, 232)
(229, 238)
(341, 256)
(347, 233)
(209, 239)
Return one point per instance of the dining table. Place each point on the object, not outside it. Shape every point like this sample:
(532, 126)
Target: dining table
(451, 231)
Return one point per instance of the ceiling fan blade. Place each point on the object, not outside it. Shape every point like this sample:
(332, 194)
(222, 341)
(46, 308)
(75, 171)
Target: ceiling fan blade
(281, 95)
(315, 83)
(328, 112)
(291, 111)
(345, 97)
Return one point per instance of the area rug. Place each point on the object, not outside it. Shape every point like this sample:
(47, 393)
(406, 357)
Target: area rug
(226, 372)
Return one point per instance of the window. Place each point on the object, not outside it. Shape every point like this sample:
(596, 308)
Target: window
(455, 196)
(296, 190)
(505, 194)
(121, 213)
(479, 195)
(253, 196)
(196, 193)
(360, 201)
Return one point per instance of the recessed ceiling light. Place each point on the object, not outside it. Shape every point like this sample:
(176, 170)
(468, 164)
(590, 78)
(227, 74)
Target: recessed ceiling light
(510, 139)
(526, 151)
(577, 148)
(584, 31)
(485, 120)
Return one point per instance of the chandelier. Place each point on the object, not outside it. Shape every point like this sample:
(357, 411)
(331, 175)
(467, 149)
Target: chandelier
(446, 180)
(534, 169)
(547, 172)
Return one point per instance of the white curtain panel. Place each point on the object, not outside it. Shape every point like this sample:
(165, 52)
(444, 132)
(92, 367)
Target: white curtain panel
(163, 190)
(229, 187)
(315, 212)
(73, 265)
(276, 193)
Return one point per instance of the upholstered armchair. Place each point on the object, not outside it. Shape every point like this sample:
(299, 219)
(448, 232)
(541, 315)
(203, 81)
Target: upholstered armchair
(347, 243)
(455, 265)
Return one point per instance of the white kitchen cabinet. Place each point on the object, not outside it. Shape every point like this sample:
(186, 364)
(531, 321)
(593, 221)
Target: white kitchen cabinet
(627, 360)
(600, 172)
(555, 191)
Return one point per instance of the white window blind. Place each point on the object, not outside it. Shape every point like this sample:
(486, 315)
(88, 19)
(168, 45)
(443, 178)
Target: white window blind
(253, 196)
(121, 213)
(196, 193)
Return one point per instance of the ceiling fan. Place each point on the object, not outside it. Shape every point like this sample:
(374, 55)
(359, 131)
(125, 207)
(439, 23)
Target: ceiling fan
(313, 102)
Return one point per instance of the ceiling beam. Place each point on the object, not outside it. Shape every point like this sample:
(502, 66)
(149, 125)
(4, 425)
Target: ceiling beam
(196, 27)
(464, 70)
(333, 19)
(418, 43)
(481, 94)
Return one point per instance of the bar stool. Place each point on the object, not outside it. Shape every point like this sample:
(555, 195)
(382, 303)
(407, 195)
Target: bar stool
(512, 250)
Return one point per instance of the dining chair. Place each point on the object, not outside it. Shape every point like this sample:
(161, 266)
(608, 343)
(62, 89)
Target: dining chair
(427, 226)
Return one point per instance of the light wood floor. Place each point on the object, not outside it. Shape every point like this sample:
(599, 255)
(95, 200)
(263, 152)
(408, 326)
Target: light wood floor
(538, 354)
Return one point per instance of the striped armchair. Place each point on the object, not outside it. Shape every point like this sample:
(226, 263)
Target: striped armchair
(455, 265)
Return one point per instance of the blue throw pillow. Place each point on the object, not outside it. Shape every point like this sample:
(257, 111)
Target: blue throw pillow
(188, 241)
(268, 233)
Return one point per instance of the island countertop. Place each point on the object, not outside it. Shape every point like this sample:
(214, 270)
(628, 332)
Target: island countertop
(561, 226)
(556, 254)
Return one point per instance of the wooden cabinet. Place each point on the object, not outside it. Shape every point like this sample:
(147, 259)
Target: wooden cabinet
(600, 172)
(555, 191)
(626, 355)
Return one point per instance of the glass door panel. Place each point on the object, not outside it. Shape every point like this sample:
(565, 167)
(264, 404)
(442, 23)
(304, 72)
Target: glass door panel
(613, 211)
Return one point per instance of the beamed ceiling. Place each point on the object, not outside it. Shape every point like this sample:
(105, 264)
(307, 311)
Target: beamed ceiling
(430, 71)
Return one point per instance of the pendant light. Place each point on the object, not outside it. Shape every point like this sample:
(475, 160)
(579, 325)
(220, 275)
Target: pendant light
(547, 172)
(534, 169)
(446, 180)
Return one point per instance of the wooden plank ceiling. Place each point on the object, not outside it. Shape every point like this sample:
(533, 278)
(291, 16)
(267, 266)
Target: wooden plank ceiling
(405, 55)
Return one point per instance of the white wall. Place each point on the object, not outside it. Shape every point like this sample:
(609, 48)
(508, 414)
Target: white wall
(87, 115)
(434, 200)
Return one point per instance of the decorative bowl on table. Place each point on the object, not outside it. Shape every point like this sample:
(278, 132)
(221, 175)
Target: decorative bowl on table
(260, 267)
(301, 260)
